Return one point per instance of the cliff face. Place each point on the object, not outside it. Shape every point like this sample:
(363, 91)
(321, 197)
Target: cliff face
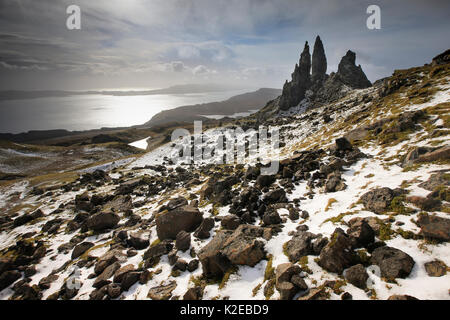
(323, 88)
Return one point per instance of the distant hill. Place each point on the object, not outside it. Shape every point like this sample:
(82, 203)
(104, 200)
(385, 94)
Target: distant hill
(177, 89)
(236, 104)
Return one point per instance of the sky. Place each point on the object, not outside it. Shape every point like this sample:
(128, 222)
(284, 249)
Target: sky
(127, 44)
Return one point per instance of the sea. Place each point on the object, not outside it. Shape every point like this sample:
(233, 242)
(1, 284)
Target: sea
(95, 111)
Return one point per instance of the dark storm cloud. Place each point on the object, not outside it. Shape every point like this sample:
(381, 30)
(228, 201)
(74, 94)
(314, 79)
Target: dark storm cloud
(158, 43)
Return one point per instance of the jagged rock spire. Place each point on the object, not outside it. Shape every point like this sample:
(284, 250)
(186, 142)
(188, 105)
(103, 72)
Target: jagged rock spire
(319, 61)
(305, 62)
(351, 74)
(294, 91)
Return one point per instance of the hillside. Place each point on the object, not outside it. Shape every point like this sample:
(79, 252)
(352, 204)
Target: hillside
(363, 186)
(237, 104)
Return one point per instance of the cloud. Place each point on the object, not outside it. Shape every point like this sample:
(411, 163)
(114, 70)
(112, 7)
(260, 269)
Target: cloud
(163, 42)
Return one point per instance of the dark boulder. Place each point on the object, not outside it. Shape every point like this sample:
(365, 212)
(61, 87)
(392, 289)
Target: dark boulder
(205, 227)
(357, 275)
(185, 218)
(393, 262)
(7, 278)
(183, 241)
(81, 248)
(436, 268)
(434, 227)
(230, 222)
(378, 200)
(338, 255)
(137, 241)
(360, 233)
(102, 221)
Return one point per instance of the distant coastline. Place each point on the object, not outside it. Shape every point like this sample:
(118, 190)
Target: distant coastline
(177, 89)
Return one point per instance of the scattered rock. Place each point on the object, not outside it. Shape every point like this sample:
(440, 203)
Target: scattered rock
(183, 241)
(205, 227)
(230, 222)
(138, 241)
(401, 297)
(7, 278)
(193, 294)
(377, 200)
(185, 218)
(434, 227)
(393, 262)
(163, 292)
(357, 276)
(337, 254)
(102, 221)
(80, 249)
(436, 268)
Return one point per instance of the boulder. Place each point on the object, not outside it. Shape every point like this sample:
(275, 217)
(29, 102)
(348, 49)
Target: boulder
(265, 180)
(138, 241)
(357, 276)
(440, 154)
(129, 279)
(436, 180)
(120, 273)
(183, 241)
(114, 255)
(103, 278)
(377, 200)
(436, 268)
(230, 222)
(193, 294)
(162, 292)
(401, 297)
(343, 144)
(184, 218)
(285, 271)
(300, 245)
(174, 203)
(274, 196)
(360, 233)
(158, 250)
(205, 227)
(80, 249)
(242, 247)
(271, 217)
(7, 278)
(338, 254)
(192, 265)
(434, 227)
(213, 261)
(102, 221)
(113, 290)
(393, 262)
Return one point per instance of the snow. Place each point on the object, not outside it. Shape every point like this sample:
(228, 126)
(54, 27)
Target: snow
(141, 144)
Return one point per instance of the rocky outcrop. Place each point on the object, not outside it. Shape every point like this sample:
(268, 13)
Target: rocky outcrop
(350, 74)
(319, 62)
(319, 87)
(442, 58)
(294, 91)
